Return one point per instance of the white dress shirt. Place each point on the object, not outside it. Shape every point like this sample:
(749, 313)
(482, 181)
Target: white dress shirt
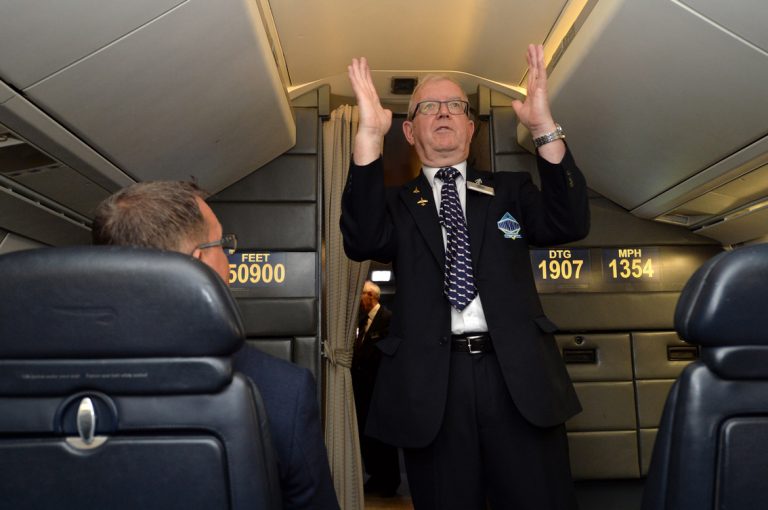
(371, 316)
(472, 318)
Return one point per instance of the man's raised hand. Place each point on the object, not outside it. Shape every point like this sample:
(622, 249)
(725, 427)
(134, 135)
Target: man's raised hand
(374, 120)
(534, 113)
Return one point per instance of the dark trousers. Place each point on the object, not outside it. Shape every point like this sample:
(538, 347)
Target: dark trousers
(486, 452)
(382, 463)
(380, 460)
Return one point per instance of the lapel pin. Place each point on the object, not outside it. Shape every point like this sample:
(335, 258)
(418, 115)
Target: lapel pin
(416, 190)
(423, 201)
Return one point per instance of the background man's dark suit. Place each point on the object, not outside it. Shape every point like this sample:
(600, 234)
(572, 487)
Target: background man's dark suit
(380, 460)
(290, 397)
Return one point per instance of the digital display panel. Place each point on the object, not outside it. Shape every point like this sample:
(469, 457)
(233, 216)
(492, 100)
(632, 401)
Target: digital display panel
(617, 269)
(562, 268)
(628, 265)
(272, 274)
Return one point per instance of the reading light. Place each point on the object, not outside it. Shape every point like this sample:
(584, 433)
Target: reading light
(381, 276)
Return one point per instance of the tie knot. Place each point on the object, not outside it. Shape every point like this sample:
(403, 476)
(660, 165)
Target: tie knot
(447, 173)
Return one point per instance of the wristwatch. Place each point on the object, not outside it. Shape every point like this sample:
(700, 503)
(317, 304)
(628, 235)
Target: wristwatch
(557, 134)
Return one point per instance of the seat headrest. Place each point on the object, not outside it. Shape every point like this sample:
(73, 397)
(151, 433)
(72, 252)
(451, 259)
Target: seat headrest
(726, 301)
(113, 302)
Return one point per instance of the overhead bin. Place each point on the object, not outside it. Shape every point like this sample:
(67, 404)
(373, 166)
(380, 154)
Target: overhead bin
(727, 202)
(68, 172)
(48, 195)
(31, 27)
(161, 90)
(655, 93)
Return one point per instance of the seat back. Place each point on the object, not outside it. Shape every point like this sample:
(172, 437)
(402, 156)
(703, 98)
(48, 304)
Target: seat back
(711, 451)
(116, 386)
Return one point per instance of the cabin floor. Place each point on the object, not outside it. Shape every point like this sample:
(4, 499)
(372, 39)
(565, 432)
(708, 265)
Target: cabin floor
(592, 495)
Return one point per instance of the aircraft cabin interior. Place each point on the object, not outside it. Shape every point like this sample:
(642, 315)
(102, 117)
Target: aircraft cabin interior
(663, 104)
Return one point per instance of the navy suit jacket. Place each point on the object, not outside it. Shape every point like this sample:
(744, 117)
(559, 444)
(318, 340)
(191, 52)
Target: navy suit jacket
(290, 398)
(400, 225)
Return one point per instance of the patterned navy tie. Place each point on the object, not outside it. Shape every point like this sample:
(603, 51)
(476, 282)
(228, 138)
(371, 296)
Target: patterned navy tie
(459, 285)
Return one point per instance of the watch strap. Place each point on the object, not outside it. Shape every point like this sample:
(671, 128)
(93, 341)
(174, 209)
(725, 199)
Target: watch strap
(557, 134)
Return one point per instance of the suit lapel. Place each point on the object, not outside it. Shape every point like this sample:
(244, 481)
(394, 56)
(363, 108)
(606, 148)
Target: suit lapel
(374, 327)
(417, 196)
(477, 209)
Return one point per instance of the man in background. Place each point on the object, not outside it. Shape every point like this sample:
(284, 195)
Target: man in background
(173, 215)
(379, 459)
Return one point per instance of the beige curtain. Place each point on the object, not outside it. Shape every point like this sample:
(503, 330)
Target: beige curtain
(343, 284)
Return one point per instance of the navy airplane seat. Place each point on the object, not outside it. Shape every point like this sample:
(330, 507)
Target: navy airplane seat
(711, 450)
(116, 386)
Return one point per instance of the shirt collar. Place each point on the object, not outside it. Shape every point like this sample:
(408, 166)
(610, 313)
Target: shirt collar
(374, 311)
(430, 172)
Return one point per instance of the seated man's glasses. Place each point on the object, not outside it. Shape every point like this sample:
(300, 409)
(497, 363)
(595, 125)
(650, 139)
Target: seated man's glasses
(228, 242)
(455, 107)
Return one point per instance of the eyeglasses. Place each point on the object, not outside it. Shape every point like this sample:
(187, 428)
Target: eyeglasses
(228, 243)
(455, 107)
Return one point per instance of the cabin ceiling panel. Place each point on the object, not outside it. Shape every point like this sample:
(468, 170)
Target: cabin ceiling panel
(194, 93)
(63, 185)
(6, 93)
(741, 191)
(748, 226)
(739, 164)
(12, 242)
(26, 123)
(745, 18)
(447, 35)
(41, 177)
(650, 94)
(24, 216)
(37, 39)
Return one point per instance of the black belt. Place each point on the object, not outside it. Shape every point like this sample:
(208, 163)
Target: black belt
(472, 343)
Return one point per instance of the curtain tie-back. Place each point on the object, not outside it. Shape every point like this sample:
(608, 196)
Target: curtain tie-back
(340, 357)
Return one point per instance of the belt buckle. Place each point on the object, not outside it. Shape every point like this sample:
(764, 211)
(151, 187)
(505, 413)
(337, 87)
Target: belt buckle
(469, 344)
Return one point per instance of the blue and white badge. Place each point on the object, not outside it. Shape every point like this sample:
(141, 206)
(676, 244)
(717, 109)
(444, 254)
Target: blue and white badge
(509, 226)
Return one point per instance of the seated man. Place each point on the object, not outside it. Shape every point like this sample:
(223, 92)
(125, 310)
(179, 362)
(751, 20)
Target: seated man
(173, 215)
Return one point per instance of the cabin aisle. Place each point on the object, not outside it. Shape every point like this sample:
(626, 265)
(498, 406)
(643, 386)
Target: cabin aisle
(399, 502)
(592, 495)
